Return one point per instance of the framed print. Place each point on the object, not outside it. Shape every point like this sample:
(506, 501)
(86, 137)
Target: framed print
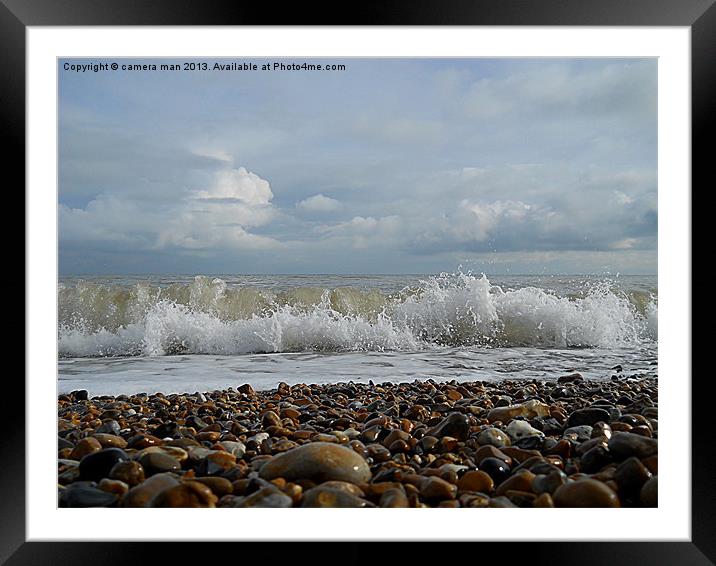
(410, 260)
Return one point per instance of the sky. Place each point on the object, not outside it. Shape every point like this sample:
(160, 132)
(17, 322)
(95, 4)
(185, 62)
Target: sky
(501, 166)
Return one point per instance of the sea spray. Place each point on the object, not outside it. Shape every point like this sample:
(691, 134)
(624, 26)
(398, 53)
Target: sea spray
(209, 316)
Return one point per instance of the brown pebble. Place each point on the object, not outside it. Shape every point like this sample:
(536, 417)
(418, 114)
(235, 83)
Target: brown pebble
(219, 486)
(476, 480)
(543, 500)
(85, 446)
(130, 472)
(585, 493)
(393, 498)
(187, 494)
(110, 440)
(437, 488)
(113, 486)
(520, 481)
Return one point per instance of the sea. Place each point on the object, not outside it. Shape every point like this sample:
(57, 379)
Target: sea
(189, 333)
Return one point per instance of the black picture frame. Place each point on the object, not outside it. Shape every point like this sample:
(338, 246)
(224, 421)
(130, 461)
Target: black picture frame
(699, 15)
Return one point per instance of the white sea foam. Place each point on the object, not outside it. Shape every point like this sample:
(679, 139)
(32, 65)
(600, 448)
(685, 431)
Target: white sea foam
(207, 316)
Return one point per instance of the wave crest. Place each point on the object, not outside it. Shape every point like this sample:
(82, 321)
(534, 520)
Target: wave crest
(208, 317)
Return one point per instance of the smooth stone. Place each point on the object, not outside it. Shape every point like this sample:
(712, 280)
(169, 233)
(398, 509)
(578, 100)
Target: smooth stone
(501, 502)
(571, 378)
(179, 454)
(110, 440)
(63, 443)
(318, 461)
(351, 488)
(543, 500)
(494, 437)
(474, 500)
(489, 451)
(649, 496)
(520, 454)
(80, 395)
(476, 480)
(219, 486)
(585, 493)
(497, 469)
(216, 462)
(394, 498)
(142, 494)
(588, 416)
(455, 425)
(236, 448)
(97, 465)
(433, 487)
(631, 475)
(595, 459)
(110, 427)
(549, 483)
(246, 389)
(129, 472)
(117, 487)
(157, 463)
(84, 494)
(84, 447)
(623, 445)
(323, 496)
(265, 497)
(186, 494)
(167, 430)
(530, 442)
(529, 409)
(269, 418)
(521, 429)
(580, 433)
(521, 480)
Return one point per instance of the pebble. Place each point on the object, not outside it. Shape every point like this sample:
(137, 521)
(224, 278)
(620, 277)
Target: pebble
(186, 494)
(265, 497)
(219, 486)
(589, 416)
(521, 429)
(622, 445)
(85, 494)
(437, 488)
(496, 469)
(585, 493)
(110, 440)
(393, 497)
(157, 462)
(419, 444)
(630, 476)
(455, 425)
(117, 487)
(84, 447)
(476, 480)
(649, 495)
(142, 494)
(129, 472)
(318, 461)
(494, 437)
(326, 496)
(97, 465)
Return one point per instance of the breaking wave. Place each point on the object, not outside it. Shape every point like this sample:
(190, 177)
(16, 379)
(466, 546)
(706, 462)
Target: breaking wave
(207, 316)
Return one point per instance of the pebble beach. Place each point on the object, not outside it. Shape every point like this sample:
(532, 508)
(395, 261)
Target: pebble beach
(562, 442)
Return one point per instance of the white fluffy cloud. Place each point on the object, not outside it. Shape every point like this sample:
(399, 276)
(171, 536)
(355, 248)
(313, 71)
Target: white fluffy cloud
(319, 203)
(216, 217)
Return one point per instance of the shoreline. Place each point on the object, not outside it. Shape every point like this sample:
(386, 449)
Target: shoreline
(567, 442)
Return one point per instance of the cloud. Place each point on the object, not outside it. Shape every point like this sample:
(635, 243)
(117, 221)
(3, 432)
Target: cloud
(214, 218)
(319, 203)
(410, 164)
(240, 185)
